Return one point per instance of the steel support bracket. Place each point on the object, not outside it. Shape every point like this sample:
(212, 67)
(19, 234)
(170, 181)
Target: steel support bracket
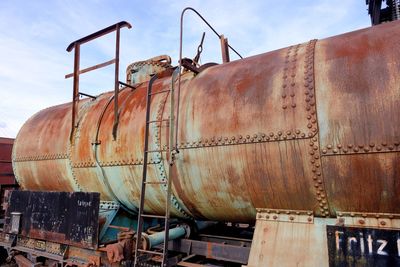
(364, 219)
(294, 216)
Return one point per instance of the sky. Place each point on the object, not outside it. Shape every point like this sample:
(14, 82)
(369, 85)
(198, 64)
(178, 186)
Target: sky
(34, 36)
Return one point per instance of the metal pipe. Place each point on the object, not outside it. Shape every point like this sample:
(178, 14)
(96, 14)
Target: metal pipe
(158, 238)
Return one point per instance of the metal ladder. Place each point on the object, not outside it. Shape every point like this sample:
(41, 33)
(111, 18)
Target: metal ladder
(139, 252)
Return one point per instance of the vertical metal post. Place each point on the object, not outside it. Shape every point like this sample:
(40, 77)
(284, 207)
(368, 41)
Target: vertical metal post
(75, 93)
(116, 82)
(224, 49)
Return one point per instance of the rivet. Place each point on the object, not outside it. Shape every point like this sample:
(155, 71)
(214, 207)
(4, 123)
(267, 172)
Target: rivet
(283, 95)
(371, 144)
(271, 134)
(341, 220)
(309, 219)
(248, 136)
(382, 222)
(303, 135)
(275, 217)
(335, 150)
(292, 94)
(390, 147)
(293, 105)
(355, 149)
(315, 177)
(284, 106)
(366, 149)
(315, 139)
(349, 145)
(309, 125)
(279, 133)
(345, 150)
(240, 137)
(297, 131)
(291, 218)
(384, 144)
(284, 86)
(378, 148)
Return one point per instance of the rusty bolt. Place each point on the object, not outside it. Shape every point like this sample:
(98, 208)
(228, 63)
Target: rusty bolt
(361, 221)
(382, 223)
(291, 218)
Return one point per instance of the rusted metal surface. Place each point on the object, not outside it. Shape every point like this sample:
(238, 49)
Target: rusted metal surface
(270, 131)
(66, 218)
(359, 119)
(6, 172)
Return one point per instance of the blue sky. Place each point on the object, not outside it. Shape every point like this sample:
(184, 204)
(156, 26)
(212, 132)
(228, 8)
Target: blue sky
(35, 34)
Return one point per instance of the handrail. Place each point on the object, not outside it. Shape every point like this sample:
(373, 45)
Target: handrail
(98, 34)
(223, 43)
(76, 46)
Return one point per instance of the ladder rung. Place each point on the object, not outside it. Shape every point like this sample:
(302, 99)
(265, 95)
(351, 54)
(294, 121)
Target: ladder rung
(153, 151)
(151, 252)
(158, 121)
(155, 182)
(153, 216)
(160, 92)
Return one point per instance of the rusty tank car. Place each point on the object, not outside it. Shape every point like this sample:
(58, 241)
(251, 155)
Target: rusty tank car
(299, 146)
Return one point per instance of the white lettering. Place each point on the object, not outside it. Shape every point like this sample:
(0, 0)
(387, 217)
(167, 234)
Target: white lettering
(369, 241)
(398, 247)
(362, 248)
(351, 239)
(381, 247)
(338, 240)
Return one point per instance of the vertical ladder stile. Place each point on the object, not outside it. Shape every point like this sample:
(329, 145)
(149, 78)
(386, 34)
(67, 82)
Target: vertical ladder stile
(171, 154)
(144, 173)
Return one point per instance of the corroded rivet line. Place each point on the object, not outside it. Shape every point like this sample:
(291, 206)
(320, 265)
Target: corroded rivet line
(312, 125)
(309, 88)
(289, 77)
(331, 149)
(245, 139)
(42, 157)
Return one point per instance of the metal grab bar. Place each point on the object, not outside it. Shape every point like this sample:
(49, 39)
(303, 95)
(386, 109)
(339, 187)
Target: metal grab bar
(76, 46)
(225, 57)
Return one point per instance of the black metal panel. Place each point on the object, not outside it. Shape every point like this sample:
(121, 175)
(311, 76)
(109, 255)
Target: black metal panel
(351, 246)
(211, 250)
(62, 217)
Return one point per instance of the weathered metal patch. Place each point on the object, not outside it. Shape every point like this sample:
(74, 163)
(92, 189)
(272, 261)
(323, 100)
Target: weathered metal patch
(353, 246)
(61, 217)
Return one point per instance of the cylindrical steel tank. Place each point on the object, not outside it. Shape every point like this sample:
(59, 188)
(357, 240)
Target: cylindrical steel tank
(315, 126)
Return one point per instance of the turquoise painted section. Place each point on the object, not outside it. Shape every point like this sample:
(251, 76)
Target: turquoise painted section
(123, 219)
(158, 238)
